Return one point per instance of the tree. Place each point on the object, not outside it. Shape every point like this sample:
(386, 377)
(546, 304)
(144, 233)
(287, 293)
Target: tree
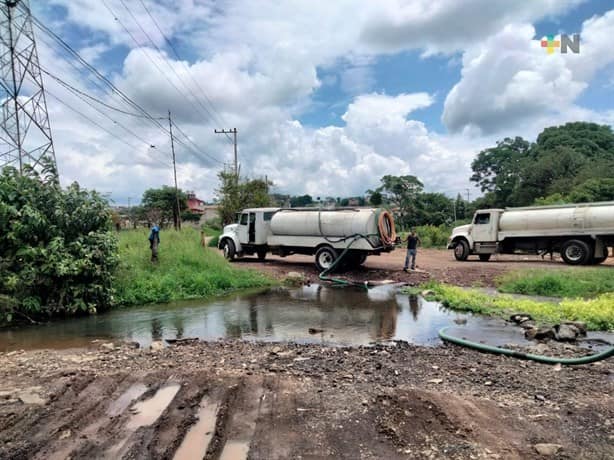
(400, 192)
(57, 250)
(593, 190)
(301, 201)
(497, 169)
(160, 205)
(433, 209)
(233, 195)
(460, 207)
(376, 198)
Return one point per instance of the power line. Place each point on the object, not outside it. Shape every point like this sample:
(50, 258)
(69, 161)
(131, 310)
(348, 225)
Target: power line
(98, 125)
(97, 73)
(193, 143)
(176, 53)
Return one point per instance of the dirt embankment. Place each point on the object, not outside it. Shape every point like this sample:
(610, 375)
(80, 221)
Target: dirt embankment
(432, 264)
(279, 401)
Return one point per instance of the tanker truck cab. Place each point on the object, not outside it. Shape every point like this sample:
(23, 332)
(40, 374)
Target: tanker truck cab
(249, 235)
(480, 237)
(325, 233)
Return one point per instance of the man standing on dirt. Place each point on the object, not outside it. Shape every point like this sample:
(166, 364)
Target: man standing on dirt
(154, 242)
(413, 241)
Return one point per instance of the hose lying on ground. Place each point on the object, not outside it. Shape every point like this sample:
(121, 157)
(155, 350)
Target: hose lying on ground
(518, 354)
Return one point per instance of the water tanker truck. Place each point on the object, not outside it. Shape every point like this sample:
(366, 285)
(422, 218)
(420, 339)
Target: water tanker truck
(581, 233)
(325, 233)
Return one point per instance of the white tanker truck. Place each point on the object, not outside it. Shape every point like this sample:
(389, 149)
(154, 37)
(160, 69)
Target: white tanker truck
(581, 233)
(321, 232)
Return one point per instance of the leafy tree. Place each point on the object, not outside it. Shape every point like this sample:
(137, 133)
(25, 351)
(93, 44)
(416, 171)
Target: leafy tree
(400, 192)
(497, 169)
(57, 249)
(301, 201)
(376, 198)
(593, 190)
(233, 196)
(160, 205)
(433, 209)
(460, 207)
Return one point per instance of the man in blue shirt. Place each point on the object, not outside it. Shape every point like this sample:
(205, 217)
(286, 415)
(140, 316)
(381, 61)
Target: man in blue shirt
(154, 242)
(413, 241)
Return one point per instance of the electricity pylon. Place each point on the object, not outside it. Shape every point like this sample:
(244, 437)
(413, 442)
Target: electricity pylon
(25, 133)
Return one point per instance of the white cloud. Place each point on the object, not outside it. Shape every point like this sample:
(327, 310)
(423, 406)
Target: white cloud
(258, 63)
(509, 80)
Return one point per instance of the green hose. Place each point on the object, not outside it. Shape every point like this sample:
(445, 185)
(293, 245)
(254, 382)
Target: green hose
(323, 276)
(517, 354)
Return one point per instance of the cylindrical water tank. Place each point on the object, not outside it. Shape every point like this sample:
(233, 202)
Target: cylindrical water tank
(582, 217)
(330, 223)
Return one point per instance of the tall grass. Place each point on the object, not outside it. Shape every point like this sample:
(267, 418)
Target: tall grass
(576, 282)
(185, 270)
(597, 313)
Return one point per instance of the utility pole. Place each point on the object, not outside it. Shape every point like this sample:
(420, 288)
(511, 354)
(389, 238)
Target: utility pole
(177, 214)
(467, 195)
(25, 133)
(232, 131)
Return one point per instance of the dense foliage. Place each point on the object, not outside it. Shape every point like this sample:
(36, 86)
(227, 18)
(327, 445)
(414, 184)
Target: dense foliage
(184, 270)
(567, 164)
(235, 195)
(57, 250)
(159, 205)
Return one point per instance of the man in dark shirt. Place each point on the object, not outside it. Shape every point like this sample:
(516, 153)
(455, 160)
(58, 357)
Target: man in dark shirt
(413, 241)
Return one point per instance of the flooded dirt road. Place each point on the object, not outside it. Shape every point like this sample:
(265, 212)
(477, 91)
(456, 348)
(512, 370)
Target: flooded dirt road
(238, 400)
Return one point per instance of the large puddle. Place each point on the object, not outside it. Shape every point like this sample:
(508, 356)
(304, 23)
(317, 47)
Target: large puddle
(310, 314)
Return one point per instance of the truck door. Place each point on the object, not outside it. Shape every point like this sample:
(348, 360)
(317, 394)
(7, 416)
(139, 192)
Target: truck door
(484, 229)
(252, 228)
(243, 228)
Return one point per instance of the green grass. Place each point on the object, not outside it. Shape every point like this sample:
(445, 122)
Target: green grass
(210, 231)
(559, 283)
(185, 270)
(597, 313)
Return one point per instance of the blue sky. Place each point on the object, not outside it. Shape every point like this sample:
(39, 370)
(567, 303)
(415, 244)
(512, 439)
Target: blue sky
(325, 102)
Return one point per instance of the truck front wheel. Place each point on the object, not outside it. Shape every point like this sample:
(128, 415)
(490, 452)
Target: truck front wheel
(325, 257)
(228, 248)
(461, 250)
(575, 252)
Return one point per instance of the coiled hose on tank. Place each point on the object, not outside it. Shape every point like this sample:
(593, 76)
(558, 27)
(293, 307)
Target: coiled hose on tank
(387, 235)
(520, 355)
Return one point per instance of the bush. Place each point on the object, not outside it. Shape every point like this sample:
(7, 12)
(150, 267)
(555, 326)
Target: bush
(57, 250)
(432, 236)
(213, 241)
(576, 282)
(597, 313)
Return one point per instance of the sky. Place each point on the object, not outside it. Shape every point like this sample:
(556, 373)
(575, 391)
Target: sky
(327, 96)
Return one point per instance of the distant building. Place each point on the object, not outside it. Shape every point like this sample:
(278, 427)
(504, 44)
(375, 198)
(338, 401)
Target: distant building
(195, 205)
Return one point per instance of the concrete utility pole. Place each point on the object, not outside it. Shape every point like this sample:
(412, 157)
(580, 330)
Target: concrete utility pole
(467, 195)
(232, 131)
(25, 133)
(178, 215)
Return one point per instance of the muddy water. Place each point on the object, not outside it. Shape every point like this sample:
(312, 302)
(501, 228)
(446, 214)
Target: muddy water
(310, 314)
(194, 445)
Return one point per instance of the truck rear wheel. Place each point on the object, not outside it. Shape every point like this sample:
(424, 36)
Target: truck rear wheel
(261, 254)
(575, 252)
(461, 250)
(484, 257)
(228, 248)
(325, 257)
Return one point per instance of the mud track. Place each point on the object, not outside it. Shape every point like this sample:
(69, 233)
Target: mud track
(234, 400)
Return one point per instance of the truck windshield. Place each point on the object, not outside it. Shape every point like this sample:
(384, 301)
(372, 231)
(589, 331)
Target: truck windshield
(482, 219)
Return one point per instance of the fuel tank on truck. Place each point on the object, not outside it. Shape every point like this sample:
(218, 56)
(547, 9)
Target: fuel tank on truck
(330, 223)
(596, 218)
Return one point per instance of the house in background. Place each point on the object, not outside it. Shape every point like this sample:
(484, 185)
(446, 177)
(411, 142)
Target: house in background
(195, 205)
